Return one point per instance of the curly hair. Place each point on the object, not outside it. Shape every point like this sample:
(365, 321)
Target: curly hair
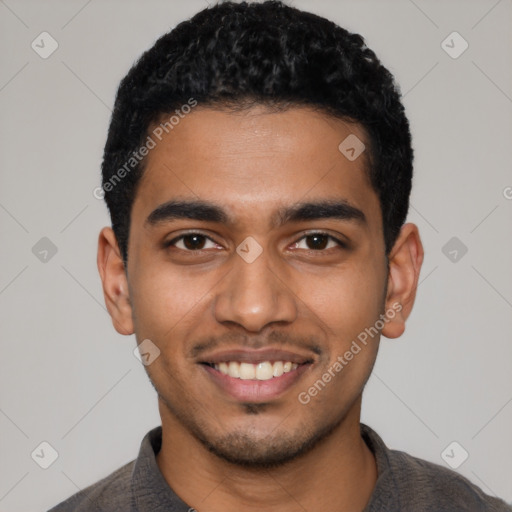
(234, 55)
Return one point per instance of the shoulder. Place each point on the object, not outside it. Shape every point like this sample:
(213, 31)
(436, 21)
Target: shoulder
(410, 483)
(426, 482)
(112, 493)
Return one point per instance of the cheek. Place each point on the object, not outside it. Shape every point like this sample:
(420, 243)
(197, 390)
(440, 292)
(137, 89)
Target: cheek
(347, 301)
(167, 301)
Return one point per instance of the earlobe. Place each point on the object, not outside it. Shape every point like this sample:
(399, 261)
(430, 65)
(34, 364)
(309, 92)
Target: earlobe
(114, 282)
(405, 260)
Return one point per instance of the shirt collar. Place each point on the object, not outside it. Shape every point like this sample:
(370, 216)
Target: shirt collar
(385, 495)
(151, 492)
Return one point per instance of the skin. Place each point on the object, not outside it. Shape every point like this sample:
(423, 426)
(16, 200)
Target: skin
(294, 296)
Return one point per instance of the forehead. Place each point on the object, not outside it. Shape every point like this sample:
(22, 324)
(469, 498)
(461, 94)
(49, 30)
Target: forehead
(255, 160)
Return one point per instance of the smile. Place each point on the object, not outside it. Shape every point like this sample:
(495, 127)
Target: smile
(264, 370)
(255, 382)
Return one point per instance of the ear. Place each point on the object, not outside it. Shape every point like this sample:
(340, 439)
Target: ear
(115, 283)
(405, 261)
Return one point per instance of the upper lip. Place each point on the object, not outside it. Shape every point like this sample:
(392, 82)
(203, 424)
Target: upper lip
(255, 356)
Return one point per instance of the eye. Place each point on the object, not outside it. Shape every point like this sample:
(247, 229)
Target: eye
(318, 242)
(192, 242)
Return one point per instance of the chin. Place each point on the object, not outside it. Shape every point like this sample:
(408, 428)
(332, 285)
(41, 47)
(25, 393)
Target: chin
(273, 450)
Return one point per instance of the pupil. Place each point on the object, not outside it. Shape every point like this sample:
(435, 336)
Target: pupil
(318, 241)
(193, 242)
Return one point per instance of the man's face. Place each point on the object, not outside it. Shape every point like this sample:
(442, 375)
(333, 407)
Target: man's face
(249, 284)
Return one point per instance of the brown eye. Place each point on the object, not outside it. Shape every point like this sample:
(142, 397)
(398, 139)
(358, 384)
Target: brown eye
(318, 242)
(192, 242)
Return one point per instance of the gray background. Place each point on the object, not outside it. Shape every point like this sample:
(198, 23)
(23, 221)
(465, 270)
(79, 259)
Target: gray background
(69, 379)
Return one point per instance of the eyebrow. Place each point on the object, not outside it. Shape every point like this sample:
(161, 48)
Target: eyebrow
(199, 210)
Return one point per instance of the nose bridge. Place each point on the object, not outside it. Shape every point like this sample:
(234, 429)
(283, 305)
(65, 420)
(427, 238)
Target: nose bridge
(252, 295)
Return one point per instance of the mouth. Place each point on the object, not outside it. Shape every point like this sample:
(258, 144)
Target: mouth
(265, 370)
(257, 376)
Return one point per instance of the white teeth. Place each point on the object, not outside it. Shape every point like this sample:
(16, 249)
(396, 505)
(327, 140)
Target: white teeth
(247, 371)
(278, 369)
(261, 371)
(264, 371)
(233, 369)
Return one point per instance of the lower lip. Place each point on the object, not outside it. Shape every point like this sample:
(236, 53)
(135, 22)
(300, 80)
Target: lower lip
(256, 390)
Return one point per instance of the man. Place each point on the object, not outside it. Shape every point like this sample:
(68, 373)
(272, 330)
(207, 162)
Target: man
(257, 171)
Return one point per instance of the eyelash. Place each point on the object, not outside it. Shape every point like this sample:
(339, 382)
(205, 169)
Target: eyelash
(341, 244)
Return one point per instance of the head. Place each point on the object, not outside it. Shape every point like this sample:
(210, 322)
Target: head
(257, 171)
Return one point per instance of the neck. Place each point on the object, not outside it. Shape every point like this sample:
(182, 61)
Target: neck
(338, 474)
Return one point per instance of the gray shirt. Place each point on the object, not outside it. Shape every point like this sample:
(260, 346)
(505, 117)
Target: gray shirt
(404, 483)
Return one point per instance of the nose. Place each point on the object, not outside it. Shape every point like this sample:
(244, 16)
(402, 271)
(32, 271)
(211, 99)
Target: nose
(254, 295)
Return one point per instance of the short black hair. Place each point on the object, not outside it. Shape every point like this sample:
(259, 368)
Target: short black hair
(234, 55)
